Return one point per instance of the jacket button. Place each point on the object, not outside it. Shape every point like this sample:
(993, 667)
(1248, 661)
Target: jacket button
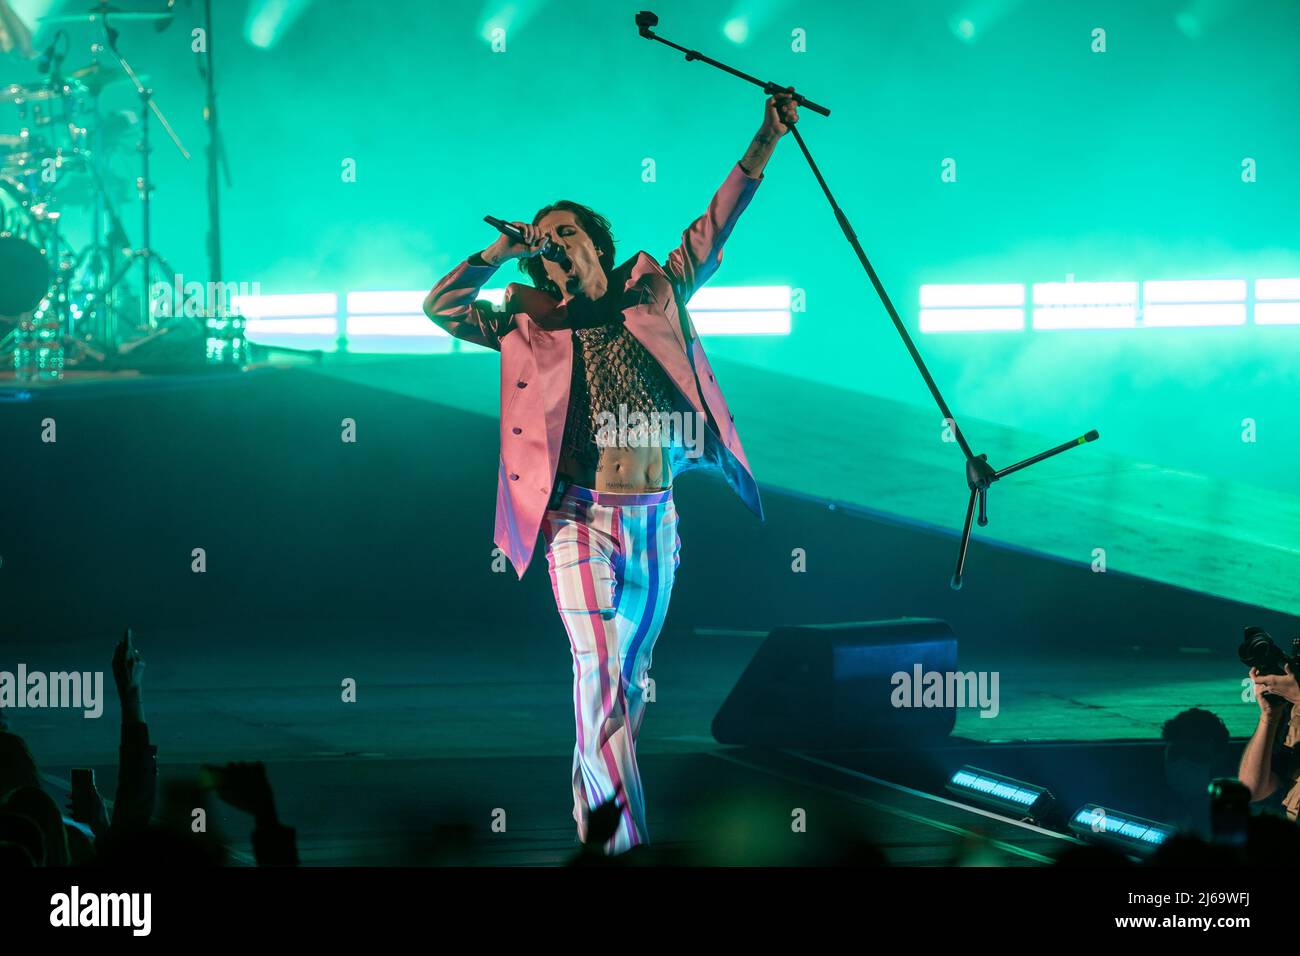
(516, 430)
(513, 476)
(521, 384)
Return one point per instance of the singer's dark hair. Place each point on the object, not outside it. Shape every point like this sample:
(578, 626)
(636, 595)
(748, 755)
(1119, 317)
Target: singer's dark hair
(593, 224)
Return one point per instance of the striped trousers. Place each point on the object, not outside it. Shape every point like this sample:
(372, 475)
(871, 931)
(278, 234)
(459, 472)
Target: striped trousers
(612, 559)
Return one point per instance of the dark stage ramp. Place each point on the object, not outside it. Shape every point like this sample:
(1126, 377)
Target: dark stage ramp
(372, 561)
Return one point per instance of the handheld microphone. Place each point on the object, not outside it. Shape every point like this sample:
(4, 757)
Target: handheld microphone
(549, 249)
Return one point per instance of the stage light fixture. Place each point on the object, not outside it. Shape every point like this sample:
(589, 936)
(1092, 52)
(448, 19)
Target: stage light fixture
(1004, 794)
(1123, 831)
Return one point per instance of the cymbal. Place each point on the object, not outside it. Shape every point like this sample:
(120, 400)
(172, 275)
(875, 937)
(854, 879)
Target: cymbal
(98, 75)
(99, 13)
(89, 79)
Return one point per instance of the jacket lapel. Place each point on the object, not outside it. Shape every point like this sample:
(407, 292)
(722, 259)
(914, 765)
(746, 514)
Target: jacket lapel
(647, 319)
(645, 289)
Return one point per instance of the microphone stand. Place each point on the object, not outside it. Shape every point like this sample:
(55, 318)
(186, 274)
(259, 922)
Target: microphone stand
(147, 255)
(216, 157)
(980, 475)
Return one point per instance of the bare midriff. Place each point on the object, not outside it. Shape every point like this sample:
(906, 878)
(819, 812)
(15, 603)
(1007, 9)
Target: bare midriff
(622, 470)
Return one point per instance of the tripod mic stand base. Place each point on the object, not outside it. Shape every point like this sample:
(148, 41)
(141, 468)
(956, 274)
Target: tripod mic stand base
(980, 476)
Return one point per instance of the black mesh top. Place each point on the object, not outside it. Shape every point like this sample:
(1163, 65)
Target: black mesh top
(611, 368)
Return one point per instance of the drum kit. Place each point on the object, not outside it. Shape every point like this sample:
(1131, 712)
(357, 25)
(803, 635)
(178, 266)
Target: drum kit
(75, 278)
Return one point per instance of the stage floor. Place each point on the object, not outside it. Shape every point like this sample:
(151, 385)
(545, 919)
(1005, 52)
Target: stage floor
(457, 727)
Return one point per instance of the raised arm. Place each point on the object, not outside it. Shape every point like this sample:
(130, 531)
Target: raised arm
(1256, 770)
(1262, 769)
(451, 303)
(693, 262)
(137, 777)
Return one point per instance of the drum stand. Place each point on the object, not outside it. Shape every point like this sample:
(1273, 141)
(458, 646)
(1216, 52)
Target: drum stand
(146, 256)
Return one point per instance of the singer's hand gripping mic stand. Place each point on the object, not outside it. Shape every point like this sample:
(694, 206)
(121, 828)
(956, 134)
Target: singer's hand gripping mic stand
(979, 473)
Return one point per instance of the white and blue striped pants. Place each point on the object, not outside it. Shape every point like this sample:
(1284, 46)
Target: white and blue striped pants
(612, 559)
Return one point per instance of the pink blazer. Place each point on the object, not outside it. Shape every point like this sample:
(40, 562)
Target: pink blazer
(533, 335)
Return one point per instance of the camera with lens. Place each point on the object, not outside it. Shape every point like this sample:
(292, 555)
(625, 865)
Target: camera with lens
(1257, 650)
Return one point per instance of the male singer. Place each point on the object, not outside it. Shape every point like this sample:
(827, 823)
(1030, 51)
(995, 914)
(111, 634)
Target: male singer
(597, 361)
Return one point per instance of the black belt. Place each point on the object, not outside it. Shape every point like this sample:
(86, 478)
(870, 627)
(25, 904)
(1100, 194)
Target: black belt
(557, 494)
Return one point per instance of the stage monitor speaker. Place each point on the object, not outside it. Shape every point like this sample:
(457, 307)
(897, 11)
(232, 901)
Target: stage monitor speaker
(829, 686)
